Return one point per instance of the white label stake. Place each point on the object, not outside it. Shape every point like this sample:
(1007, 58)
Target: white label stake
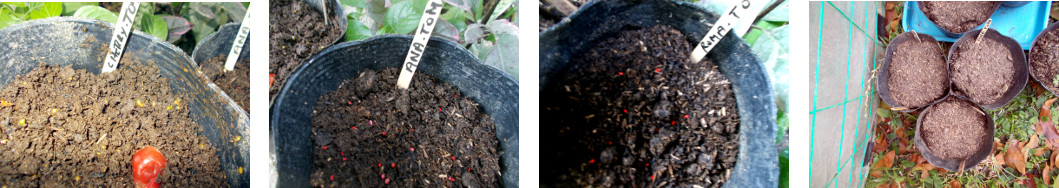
(120, 36)
(419, 42)
(237, 44)
(721, 28)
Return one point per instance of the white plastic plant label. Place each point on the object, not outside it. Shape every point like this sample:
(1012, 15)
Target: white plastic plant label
(121, 36)
(742, 10)
(237, 43)
(419, 42)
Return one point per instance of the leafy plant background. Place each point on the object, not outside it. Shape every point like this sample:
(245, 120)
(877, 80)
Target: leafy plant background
(491, 35)
(182, 24)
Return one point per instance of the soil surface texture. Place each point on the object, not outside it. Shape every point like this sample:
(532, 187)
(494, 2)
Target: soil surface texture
(983, 71)
(235, 83)
(297, 31)
(958, 16)
(369, 133)
(1044, 60)
(953, 129)
(631, 111)
(69, 128)
(919, 74)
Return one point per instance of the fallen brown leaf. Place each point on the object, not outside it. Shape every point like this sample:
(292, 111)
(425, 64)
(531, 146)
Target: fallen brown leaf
(887, 161)
(955, 184)
(885, 185)
(997, 145)
(999, 159)
(1026, 146)
(1046, 114)
(1014, 157)
(880, 144)
(1049, 129)
(1047, 177)
(902, 146)
(900, 131)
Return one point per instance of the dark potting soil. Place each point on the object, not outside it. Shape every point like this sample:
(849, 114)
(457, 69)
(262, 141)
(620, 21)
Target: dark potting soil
(918, 73)
(1044, 61)
(958, 16)
(631, 111)
(368, 133)
(297, 31)
(953, 128)
(69, 128)
(235, 83)
(982, 71)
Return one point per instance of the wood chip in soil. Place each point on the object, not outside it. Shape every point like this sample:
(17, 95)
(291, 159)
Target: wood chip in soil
(296, 32)
(919, 74)
(368, 133)
(983, 71)
(630, 111)
(953, 129)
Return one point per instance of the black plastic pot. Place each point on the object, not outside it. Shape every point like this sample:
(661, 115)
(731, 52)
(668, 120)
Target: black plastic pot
(290, 145)
(56, 41)
(757, 164)
(1013, 4)
(1021, 67)
(884, 72)
(982, 151)
(219, 44)
(954, 33)
(1043, 79)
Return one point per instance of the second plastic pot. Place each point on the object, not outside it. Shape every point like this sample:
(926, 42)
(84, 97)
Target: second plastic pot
(290, 145)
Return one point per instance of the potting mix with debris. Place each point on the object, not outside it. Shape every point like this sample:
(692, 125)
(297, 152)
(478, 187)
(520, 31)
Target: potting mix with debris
(632, 111)
(62, 127)
(369, 133)
(990, 129)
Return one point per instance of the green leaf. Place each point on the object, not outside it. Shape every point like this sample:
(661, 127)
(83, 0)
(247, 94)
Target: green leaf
(40, 10)
(8, 17)
(357, 31)
(95, 12)
(785, 168)
(355, 3)
(70, 7)
(15, 4)
(178, 26)
(504, 55)
(883, 113)
(402, 17)
(154, 25)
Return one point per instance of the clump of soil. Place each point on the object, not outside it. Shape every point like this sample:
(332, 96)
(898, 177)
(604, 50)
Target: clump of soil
(919, 74)
(983, 71)
(61, 127)
(631, 111)
(1044, 61)
(953, 128)
(297, 31)
(369, 133)
(235, 83)
(958, 16)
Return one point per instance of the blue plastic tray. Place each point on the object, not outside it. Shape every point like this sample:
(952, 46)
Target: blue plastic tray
(1020, 23)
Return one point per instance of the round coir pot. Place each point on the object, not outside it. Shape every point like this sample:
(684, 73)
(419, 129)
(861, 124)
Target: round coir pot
(957, 17)
(57, 41)
(954, 132)
(914, 73)
(756, 161)
(290, 120)
(1044, 58)
(989, 73)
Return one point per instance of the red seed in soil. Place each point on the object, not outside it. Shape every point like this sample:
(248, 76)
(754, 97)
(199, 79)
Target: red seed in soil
(393, 165)
(332, 177)
(384, 133)
(658, 70)
(468, 169)
(621, 74)
(686, 116)
(349, 102)
(380, 165)
(450, 179)
(453, 157)
(370, 122)
(625, 110)
(591, 161)
(343, 158)
(673, 123)
(387, 181)
(325, 147)
(652, 177)
(354, 127)
(383, 176)
(413, 129)
(610, 143)
(439, 109)
(647, 164)
(412, 149)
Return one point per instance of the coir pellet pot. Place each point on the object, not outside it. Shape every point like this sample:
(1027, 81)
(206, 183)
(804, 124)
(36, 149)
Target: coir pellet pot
(56, 41)
(291, 145)
(757, 164)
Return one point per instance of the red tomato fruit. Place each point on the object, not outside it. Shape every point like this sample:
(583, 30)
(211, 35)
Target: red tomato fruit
(147, 164)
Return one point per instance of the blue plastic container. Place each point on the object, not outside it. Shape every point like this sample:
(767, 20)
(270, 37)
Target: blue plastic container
(1021, 23)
